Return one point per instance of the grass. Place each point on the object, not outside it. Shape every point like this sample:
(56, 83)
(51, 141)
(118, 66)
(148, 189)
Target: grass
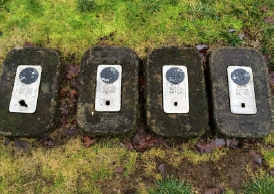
(72, 26)
(171, 185)
(259, 185)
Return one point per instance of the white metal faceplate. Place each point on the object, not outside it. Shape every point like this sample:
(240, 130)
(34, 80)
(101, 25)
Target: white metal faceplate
(242, 97)
(175, 96)
(24, 95)
(108, 95)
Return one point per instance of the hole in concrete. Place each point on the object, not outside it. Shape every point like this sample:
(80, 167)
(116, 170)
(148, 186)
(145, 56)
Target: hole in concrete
(175, 103)
(23, 103)
(243, 105)
(107, 103)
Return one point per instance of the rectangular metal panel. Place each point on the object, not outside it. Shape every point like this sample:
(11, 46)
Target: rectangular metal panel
(24, 95)
(242, 95)
(108, 95)
(175, 96)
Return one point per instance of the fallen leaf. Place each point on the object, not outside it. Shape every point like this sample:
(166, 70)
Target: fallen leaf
(257, 158)
(88, 141)
(264, 8)
(47, 141)
(161, 168)
(269, 20)
(232, 143)
(70, 131)
(143, 140)
(208, 148)
(72, 71)
(6, 142)
(218, 189)
(21, 145)
(119, 169)
(30, 44)
(73, 94)
(129, 146)
(203, 48)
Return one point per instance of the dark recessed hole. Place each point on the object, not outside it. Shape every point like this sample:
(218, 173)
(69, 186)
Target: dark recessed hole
(242, 105)
(107, 103)
(23, 103)
(175, 104)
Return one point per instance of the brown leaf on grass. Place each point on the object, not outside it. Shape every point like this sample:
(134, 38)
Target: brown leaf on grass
(88, 141)
(30, 44)
(128, 145)
(161, 168)
(47, 141)
(208, 148)
(264, 8)
(143, 140)
(269, 20)
(257, 158)
(218, 189)
(21, 145)
(119, 169)
(72, 71)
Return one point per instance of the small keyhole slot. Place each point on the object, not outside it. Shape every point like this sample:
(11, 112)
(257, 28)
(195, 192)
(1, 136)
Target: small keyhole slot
(23, 103)
(243, 105)
(175, 103)
(107, 103)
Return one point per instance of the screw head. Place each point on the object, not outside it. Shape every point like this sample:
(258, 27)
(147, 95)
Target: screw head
(28, 75)
(175, 75)
(240, 76)
(109, 74)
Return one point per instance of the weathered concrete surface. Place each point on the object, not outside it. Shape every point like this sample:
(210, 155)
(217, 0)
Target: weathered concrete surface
(189, 124)
(108, 123)
(238, 125)
(46, 114)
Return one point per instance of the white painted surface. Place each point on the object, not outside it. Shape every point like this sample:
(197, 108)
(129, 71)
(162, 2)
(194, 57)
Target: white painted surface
(24, 96)
(175, 96)
(242, 97)
(108, 95)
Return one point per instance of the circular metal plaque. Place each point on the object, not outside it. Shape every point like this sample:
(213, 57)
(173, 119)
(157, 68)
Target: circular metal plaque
(175, 75)
(240, 76)
(28, 75)
(109, 75)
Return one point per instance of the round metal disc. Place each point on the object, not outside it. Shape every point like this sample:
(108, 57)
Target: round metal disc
(28, 75)
(109, 74)
(240, 76)
(175, 75)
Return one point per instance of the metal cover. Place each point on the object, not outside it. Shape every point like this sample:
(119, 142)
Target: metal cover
(26, 89)
(241, 90)
(175, 93)
(108, 94)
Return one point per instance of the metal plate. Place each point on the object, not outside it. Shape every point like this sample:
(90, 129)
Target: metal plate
(108, 94)
(26, 89)
(175, 94)
(241, 90)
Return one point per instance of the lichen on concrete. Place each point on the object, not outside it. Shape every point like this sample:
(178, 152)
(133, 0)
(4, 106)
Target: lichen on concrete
(46, 114)
(239, 125)
(108, 123)
(186, 125)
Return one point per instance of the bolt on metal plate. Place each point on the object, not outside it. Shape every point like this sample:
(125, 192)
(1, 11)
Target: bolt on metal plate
(241, 90)
(26, 88)
(240, 76)
(175, 75)
(108, 88)
(109, 74)
(175, 89)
